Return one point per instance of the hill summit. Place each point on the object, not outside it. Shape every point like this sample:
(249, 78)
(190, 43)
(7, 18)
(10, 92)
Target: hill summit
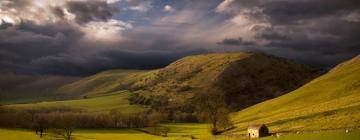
(245, 78)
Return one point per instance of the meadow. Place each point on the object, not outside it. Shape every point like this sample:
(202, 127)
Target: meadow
(102, 103)
(326, 106)
(177, 132)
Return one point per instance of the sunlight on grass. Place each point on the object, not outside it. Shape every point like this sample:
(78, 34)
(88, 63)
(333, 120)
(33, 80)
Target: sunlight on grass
(117, 100)
(330, 101)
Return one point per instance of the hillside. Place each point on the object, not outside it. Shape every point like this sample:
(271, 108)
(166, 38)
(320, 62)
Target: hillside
(102, 83)
(16, 88)
(246, 78)
(328, 102)
(103, 103)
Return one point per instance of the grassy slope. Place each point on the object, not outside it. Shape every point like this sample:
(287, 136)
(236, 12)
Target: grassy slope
(331, 135)
(118, 100)
(156, 80)
(102, 83)
(193, 72)
(176, 130)
(330, 101)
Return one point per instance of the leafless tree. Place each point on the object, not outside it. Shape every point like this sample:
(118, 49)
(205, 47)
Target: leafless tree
(40, 124)
(212, 103)
(66, 124)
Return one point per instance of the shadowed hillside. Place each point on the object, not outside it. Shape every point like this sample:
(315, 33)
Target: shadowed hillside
(16, 88)
(246, 78)
(328, 102)
(260, 77)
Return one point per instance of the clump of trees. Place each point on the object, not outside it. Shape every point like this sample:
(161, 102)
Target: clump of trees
(63, 122)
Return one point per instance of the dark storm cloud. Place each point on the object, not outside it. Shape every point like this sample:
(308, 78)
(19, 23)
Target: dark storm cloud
(236, 42)
(21, 43)
(86, 11)
(62, 47)
(109, 59)
(50, 41)
(29, 48)
(31, 40)
(291, 11)
(285, 12)
(319, 30)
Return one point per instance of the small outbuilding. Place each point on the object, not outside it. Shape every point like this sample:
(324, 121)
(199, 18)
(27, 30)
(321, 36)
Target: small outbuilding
(257, 131)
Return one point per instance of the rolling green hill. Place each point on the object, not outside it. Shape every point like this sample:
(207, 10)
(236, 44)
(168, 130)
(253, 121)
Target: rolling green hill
(102, 83)
(246, 78)
(328, 102)
(118, 101)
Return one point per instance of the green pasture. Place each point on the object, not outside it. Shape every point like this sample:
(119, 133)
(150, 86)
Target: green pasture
(117, 100)
(328, 102)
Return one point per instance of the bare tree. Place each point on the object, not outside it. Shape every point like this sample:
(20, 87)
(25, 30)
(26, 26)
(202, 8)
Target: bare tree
(40, 124)
(212, 103)
(66, 124)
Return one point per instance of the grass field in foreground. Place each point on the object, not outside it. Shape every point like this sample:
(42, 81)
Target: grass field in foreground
(330, 135)
(117, 100)
(176, 130)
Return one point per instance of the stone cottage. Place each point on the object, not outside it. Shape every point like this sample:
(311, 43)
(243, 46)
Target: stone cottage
(257, 131)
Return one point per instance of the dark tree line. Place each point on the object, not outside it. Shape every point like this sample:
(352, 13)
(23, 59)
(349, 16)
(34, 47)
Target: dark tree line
(63, 121)
(209, 105)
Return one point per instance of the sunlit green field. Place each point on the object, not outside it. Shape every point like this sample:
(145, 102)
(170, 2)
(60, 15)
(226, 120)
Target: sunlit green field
(331, 135)
(117, 100)
(177, 132)
(330, 101)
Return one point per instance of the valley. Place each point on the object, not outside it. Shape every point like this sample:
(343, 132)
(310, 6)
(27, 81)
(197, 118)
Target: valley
(326, 104)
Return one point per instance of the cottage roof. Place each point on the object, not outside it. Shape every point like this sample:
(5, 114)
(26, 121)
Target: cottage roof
(256, 126)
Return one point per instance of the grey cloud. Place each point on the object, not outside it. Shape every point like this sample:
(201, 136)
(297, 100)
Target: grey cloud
(60, 49)
(284, 12)
(108, 59)
(87, 11)
(16, 4)
(63, 47)
(19, 44)
(32, 40)
(290, 10)
(236, 42)
(315, 29)
(58, 11)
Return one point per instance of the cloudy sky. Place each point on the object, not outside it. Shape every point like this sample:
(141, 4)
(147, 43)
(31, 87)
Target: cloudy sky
(82, 37)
